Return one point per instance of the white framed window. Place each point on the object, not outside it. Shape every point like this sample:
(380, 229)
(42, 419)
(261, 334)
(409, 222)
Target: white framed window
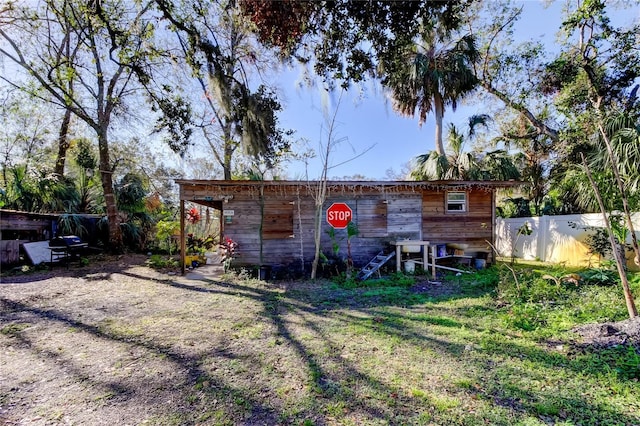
(456, 202)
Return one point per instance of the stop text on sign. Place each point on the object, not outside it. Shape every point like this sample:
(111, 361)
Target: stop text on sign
(339, 215)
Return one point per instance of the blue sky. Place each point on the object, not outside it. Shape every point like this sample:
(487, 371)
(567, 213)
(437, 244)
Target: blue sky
(369, 121)
(366, 123)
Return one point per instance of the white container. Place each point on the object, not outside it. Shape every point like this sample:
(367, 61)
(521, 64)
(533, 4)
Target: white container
(409, 266)
(411, 248)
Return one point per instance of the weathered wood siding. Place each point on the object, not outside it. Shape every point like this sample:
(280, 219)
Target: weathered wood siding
(288, 226)
(34, 225)
(9, 252)
(370, 215)
(473, 227)
(404, 218)
(285, 213)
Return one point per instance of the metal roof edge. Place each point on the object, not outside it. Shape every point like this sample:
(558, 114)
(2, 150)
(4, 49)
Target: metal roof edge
(458, 183)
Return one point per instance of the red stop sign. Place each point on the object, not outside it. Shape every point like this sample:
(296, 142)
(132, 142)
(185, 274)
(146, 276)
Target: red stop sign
(339, 215)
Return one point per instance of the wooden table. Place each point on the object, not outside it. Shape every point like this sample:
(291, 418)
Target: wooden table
(434, 257)
(402, 243)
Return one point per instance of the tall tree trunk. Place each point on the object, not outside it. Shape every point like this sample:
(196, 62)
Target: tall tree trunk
(439, 109)
(628, 297)
(106, 177)
(228, 154)
(317, 235)
(63, 143)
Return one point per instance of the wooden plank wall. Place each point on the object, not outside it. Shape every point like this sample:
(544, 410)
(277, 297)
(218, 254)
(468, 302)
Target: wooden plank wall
(9, 252)
(381, 218)
(371, 217)
(25, 224)
(475, 227)
(404, 217)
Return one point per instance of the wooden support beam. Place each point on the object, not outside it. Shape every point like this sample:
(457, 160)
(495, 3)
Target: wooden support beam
(183, 244)
(448, 268)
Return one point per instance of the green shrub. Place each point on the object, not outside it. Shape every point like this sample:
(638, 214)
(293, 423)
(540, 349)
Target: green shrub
(600, 276)
(158, 261)
(597, 304)
(396, 279)
(532, 286)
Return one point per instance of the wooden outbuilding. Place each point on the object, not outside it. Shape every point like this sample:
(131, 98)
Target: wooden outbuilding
(18, 227)
(273, 222)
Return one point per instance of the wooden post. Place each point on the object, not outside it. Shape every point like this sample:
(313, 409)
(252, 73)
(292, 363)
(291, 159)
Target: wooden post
(183, 244)
(434, 249)
(491, 256)
(425, 256)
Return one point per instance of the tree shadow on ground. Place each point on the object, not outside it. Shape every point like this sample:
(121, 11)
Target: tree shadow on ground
(368, 316)
(341, 387)
(182, 361)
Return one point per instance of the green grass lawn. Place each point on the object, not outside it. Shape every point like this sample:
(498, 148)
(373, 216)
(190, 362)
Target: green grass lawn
(386, 354)
(241, 351)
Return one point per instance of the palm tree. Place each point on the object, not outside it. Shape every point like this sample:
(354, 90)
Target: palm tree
(457, 164)
(613, 169)
(625, 144)
(498, 165)
(432, 78)
(430, 166)
(621, 137)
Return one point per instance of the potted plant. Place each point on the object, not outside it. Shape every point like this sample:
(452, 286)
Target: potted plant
(196, 248)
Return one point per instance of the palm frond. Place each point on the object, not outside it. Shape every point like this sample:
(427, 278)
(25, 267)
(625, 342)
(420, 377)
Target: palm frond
(430, 166)
(478, 120)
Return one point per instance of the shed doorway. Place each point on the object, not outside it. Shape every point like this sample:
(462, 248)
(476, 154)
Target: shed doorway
(202, 221)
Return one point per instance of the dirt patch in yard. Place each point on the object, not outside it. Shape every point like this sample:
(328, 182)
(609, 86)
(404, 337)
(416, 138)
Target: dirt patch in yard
(99, 264)
(609, 334)
(437, 288)
(116, 342)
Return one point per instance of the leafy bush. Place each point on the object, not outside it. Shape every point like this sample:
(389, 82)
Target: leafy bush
(157, 261)
(600, 276)
(526, 285)
(553, 301)
(341, 280)
(597, 304)
(229, 251)
(72, 224)
(165, 229)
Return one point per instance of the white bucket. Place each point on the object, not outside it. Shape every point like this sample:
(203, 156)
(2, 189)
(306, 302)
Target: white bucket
(410, 266)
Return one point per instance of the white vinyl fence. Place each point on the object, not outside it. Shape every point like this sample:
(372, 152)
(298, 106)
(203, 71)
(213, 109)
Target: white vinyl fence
(553, 239)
